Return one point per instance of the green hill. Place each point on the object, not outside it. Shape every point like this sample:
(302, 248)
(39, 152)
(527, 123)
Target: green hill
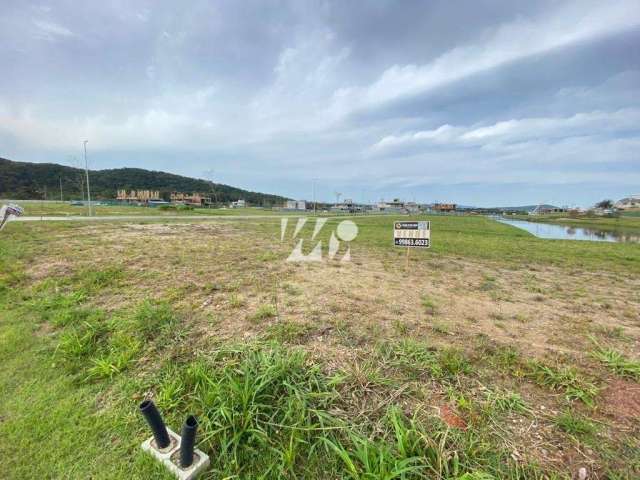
(24, 181)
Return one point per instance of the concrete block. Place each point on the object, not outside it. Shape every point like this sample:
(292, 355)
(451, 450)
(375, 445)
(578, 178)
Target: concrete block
(170, 457)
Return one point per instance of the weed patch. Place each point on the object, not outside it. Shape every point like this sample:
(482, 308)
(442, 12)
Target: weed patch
(264, 312)
(260, 400)
(617, 362)
(565, 379)
(574, 424)
(416, 358)
(505, 401)
(95, 280)
(429, 305)
(236, 301)
(152, 318)
(287, 331)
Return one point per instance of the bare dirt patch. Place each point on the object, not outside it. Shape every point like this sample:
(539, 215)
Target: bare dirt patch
(451, 418)
(453, 303)
(53, 268)
(621, 400)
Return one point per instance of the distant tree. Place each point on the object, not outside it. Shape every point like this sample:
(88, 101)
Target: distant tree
(605, 204)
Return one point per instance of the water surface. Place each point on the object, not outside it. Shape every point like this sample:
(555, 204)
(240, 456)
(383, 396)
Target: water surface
(565, 232)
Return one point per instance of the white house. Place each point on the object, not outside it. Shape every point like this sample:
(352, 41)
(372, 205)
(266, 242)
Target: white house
(295, 205)
(632, 201)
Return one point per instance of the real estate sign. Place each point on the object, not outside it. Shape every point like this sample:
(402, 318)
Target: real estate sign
(412, 234)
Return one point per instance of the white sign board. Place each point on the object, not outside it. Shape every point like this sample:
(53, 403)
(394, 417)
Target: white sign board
(412, 234)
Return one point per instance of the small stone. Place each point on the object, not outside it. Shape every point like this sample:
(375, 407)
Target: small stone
(582, 474)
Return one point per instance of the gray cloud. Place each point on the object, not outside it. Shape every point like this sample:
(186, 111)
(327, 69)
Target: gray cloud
(439, 99)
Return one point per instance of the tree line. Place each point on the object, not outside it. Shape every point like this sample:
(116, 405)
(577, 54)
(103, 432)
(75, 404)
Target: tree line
(51, 181)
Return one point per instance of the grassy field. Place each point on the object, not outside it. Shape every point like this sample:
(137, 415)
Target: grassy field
(495, 355)
(50, 208)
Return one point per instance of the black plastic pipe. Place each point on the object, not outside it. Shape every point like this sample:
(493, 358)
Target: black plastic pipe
(154, 419)
(188, 441)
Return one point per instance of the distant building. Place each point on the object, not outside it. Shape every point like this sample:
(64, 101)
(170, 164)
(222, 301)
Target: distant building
(348, 206)
(238, 204)
(632, 201)
(547, 209)
(295, 205)
(395, 206)
(412, 207)
(194, 199)
(444, 207)
(138, 196)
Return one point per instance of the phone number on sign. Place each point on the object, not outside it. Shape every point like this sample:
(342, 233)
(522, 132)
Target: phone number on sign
(412, 242)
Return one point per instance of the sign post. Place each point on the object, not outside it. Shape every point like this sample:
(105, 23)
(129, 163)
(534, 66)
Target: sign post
(411, 235)
(406, 264)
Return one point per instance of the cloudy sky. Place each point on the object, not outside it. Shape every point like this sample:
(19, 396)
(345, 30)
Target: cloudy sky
(478, 102)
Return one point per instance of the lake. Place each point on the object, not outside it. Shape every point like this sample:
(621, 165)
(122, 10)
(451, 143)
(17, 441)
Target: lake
(564, 232)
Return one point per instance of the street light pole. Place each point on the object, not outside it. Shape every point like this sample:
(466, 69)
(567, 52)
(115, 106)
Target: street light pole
(86, 169)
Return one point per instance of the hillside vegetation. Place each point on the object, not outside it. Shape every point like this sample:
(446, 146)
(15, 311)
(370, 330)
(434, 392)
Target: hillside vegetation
(23, 180)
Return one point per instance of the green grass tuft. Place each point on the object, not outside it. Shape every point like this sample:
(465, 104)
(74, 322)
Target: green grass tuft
(264, 312)
(617, 362)
(575, 424)
(287, 331)
(416, 358)
(505, 401)
(236, 301)
(565, 379)
(430, 306)
(152, 318)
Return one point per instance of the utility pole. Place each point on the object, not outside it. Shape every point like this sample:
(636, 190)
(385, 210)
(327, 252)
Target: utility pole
(86, 169)
(77, 178)
(314, 196)
(60, 178)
